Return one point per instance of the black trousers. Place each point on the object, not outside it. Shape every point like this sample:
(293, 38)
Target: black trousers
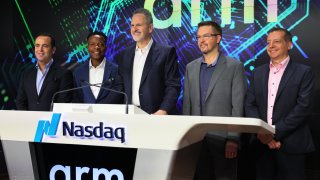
(278, 165)
(212, 163)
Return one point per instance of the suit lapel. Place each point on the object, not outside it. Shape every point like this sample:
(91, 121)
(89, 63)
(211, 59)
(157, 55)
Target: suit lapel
(106, 76)
(265, 83)
(129, 63)
(34, 82)
(85, 72)
(220, 67)
(195, 77)
(285, 78)
(151, 59)
(50, 78)
(85, 78)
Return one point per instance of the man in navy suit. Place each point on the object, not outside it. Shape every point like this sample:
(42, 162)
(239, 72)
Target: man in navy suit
(281, 94)
(40, 83)
(150, 71)
(97, 70)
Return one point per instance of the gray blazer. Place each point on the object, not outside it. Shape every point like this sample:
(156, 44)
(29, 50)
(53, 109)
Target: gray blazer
(225, 95)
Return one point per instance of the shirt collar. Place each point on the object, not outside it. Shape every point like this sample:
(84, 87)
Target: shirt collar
(281, 65)
(214, 62)
(147, 48)
(100, 66)
(47, 66)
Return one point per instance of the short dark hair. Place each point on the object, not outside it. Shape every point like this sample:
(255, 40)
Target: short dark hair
(97, 33)
(287, 34)
(53, 40)
(213, 24)
(146, 13)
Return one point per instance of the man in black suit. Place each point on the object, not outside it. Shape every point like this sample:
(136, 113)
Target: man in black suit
(38, 84)
(150, 71)
(281, 94)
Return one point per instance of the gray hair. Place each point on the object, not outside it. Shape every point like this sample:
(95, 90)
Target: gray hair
(146, 13)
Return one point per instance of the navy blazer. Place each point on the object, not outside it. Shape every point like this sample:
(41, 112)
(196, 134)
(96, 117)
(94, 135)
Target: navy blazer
(111, 80)
(56, 80)
(292, 108)
(160, 81)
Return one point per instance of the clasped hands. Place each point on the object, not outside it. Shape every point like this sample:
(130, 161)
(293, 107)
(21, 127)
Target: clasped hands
(269, 140)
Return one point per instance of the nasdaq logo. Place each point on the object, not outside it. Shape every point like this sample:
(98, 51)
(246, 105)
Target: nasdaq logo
(47, 127)
(99, 131)
(72, 129)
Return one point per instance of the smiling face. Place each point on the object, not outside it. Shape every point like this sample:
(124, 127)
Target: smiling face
(140, 29)
(96, 47)
(278, 47)
(43, 49)
(208, 40)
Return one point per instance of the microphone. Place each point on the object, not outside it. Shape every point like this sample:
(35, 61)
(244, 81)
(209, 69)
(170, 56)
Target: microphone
(64, 91)
(99, 85)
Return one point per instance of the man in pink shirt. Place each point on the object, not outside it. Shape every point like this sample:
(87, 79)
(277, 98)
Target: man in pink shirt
(281, 94)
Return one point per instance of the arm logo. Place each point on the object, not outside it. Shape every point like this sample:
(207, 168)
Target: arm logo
(47, 127)
(196, 8)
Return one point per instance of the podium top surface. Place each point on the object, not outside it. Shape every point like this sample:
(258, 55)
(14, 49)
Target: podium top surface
(122, 130)
(97, 108)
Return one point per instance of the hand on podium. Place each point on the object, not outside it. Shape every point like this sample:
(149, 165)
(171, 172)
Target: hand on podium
(160, 112)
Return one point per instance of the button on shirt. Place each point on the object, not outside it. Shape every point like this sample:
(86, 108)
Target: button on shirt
(96, 76)
(140, 58)
(42, 75)
(206, 71)
(275, 76)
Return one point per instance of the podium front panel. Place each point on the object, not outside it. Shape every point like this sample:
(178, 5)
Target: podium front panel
(90, 145)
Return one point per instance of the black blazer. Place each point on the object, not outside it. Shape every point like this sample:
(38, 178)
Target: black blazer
(56, 80)
(292, 108)
(160, 81)
(111, 80)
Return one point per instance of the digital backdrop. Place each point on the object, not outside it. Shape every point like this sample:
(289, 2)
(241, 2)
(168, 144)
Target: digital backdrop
(245, 25)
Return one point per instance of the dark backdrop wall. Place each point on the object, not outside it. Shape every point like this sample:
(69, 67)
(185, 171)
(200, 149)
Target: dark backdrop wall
(244, 34)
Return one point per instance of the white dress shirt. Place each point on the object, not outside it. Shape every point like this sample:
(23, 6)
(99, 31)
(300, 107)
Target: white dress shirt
(96, 76)
(140, 58)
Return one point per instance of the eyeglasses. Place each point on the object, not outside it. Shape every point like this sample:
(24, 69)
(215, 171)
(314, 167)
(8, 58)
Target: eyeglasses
(206, 36)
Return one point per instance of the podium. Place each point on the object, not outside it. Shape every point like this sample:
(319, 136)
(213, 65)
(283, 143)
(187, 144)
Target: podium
(122, 146)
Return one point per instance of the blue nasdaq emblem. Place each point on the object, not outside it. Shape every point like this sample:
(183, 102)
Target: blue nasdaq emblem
(45, 127)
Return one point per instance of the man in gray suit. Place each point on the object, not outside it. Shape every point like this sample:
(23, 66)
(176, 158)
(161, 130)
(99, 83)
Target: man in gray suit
(215, 85)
